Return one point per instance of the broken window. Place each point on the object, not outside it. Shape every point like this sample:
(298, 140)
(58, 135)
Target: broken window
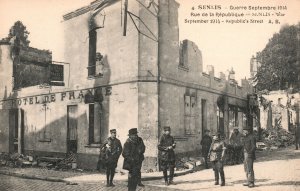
(92, 52)
(96, 65)
(183, 57)
(189, 114)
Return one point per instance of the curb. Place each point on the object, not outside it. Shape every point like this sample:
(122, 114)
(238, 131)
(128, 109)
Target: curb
(35, 177)
(56, 179)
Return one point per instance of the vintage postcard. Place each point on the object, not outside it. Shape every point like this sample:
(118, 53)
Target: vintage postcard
(149, 95)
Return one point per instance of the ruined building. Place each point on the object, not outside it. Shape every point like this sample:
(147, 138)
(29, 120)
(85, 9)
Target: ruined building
(144, 79)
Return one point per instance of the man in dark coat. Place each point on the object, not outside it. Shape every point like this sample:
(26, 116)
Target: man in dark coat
(206, 143)
(166, 155)
(141, 151)
(112, 149)
(235, 141)
(249, 143)
(132, 159)
(216, 156)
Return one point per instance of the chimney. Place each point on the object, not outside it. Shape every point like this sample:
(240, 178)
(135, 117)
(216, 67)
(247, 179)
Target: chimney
(222, 76)
(231, 75)
(211, 70)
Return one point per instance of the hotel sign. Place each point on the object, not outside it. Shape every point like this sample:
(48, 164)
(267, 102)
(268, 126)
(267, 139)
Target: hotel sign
(79, 95)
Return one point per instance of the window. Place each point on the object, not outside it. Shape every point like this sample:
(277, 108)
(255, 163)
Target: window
(183, 55)
(189, 114)
(96, 66)
(91, 123)
(203, 115)
(94, 123)
(92, 52)
(233, 117)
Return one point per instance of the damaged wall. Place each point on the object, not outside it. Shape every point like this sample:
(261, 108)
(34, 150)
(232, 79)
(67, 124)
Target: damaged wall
(281, 113)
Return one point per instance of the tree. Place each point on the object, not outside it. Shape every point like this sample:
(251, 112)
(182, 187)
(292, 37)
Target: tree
(19, 31)
(279, 65)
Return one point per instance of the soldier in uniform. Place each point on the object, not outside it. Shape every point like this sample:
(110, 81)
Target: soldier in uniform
(132, 159)
(217, 156)
(166, 155)
(249, 143)
(206, 143)
(112, 149)
(235, 141)
(141, 151)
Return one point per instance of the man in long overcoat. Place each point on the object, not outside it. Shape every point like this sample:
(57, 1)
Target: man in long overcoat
(235, 141)
(166, 155)
(249, 143)
(132, 159)
(206, 143)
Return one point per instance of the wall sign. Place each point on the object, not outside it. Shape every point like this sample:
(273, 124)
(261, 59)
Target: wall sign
(93, 95)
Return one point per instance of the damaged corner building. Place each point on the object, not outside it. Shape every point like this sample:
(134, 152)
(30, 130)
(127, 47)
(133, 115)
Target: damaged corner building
(117, 74)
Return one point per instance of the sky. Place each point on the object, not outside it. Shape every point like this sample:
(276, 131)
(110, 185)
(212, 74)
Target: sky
(224, 46)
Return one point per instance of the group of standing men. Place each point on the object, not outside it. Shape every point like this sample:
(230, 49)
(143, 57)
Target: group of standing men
(133, 153)
(214, 149)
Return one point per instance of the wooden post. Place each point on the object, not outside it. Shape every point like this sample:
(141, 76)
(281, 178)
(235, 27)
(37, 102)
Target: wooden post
(259, 125)
(125, 17)
(226, 117)
(297, 131)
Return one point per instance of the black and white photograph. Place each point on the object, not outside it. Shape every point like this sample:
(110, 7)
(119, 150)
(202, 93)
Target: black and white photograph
(149, 95)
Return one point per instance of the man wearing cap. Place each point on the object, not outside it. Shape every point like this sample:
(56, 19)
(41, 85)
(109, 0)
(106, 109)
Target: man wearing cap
(113, 149)
(166, 155)
(249, 144)
(206, 143)
(235, 141)
(132, 158)
(216, 156)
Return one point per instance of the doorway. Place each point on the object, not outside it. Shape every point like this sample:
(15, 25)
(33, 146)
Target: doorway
(16, 131)
(72, 129)
(204, 116)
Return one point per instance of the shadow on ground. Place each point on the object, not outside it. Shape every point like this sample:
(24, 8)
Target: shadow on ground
(280, 154)
(244, 180)
(282, 183)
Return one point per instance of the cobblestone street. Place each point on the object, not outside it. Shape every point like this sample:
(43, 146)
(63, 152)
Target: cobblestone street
(10, 183)
(279, 170)
(274, 170)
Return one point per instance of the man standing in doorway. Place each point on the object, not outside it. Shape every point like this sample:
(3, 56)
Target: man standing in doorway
(166, 155)
(206, 143)
(249, 144)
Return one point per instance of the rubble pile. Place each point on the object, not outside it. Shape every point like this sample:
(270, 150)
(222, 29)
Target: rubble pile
(276, 138)
(15, 160)
(68, 162)
(188, 163)
(19, 160)
(4, 157)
